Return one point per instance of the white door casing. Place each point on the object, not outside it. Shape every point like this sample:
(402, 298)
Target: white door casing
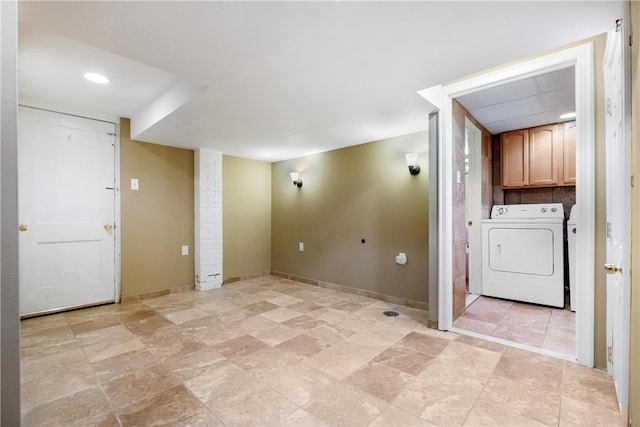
(617, 196)
(67, 192)
(440, 97)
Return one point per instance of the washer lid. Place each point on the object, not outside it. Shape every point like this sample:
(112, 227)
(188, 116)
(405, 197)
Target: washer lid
(531, 211)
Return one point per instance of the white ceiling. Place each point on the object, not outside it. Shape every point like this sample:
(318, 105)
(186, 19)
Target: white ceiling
(277, 80)
(524, 103)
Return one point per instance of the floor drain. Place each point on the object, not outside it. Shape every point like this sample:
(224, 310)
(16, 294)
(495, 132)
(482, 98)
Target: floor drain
(390, 313)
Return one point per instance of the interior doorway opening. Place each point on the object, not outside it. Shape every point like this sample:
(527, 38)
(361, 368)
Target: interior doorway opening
(441, 97)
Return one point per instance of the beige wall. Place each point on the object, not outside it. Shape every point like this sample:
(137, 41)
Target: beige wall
(634, 344)
(600, 318)
(246, 193)
(360, 192)
(158, 218)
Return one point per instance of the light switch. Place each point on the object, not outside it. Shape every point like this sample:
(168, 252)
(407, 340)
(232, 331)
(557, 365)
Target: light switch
(185, 250)
(458, 177)
(301, 246)
(134, 184)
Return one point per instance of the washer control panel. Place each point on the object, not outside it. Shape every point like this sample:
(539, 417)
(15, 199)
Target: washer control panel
(530, 211)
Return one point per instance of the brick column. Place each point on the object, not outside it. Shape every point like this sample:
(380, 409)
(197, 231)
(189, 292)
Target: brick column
(208, 219)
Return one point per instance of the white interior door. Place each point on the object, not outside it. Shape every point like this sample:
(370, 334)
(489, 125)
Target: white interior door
(66, 202)
(617, 154)
(473, 205)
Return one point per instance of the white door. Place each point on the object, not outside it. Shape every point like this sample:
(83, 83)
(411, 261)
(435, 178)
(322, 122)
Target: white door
(66, 202)
(617, 156)
(473, 204)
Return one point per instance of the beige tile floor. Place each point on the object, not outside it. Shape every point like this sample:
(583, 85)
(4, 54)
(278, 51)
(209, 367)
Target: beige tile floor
(270, 351)
(534, 325)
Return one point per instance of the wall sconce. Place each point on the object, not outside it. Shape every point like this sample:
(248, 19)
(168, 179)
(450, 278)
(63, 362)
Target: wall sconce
(295, 177)
(412, 159)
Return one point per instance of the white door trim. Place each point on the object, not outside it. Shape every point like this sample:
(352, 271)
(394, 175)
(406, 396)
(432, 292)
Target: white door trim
(117, 216)
(441, 96)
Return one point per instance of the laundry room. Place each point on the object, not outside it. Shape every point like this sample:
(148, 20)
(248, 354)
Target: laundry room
(514, 188)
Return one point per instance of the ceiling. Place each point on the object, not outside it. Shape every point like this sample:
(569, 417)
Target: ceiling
(525, 103)
(277, 80)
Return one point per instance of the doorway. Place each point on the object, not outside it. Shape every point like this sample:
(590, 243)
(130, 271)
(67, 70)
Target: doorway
(581, 57)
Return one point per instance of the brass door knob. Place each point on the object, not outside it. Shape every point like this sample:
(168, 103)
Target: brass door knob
(22, 227)
(108, 227)
(612, 269)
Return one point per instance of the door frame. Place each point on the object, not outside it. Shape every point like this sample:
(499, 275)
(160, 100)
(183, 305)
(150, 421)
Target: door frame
(441, 96)
(117, 216)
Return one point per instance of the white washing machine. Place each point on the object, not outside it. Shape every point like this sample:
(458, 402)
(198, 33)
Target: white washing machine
(523, 256)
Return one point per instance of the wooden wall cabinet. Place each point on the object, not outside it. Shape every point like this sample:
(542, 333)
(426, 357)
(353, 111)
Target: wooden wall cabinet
(543, 156)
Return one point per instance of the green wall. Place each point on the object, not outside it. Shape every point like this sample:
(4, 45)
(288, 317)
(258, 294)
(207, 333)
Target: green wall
(350, 194)
(246, 217)
(158, 218)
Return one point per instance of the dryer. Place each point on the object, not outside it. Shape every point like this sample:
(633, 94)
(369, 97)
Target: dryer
(523, 253)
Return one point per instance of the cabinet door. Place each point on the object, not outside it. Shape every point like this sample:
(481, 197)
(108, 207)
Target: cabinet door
(544, 156)
(515, 158)
(569, 154)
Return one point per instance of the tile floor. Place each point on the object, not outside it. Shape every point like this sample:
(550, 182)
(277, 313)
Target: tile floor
(549, 328)
(270, 351)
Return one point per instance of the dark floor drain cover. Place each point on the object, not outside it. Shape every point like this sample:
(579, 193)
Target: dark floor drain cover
(390, 313)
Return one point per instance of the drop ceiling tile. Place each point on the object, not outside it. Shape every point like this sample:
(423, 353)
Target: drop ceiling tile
(509, 110)
(556, 80)
(498, 94)
(562, 99)
(515, 123)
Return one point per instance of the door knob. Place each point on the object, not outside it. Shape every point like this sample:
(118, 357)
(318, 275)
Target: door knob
(108, 227)
(22, 227)
(612, 269)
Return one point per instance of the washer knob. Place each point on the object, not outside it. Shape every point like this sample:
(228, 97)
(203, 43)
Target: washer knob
(554, 209)
(543, 210)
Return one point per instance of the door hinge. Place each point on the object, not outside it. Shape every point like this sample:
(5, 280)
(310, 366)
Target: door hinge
(111, 134)
(632, 180)
(609, 354)
(608, 230)
(608, 108)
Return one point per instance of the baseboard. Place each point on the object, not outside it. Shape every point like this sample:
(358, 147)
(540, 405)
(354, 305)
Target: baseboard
(245, 277)
(356, 291)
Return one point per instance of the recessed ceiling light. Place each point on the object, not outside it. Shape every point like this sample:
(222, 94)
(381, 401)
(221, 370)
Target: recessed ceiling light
(568, 115)
(96, 78)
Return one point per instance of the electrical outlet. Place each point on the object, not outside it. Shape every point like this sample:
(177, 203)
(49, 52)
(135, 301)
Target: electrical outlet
(185, 250)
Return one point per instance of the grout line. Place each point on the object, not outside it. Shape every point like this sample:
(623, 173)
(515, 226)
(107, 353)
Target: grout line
(539, 350)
